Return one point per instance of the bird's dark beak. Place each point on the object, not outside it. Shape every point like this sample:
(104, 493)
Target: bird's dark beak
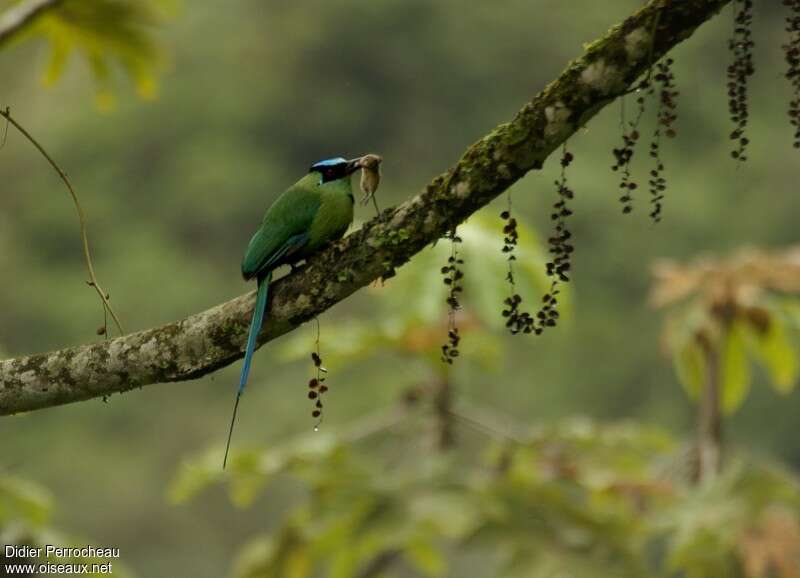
(353, 165)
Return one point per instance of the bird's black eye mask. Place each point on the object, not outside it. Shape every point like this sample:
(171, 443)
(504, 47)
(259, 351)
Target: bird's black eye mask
(330, 170)
(334, 172)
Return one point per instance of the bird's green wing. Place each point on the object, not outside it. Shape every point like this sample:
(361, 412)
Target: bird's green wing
(284, 230)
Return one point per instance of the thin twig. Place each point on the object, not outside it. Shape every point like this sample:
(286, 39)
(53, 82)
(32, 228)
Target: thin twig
(92, 282)
(491, 423)
(381, 563)
(375, 423)
(5, 134)
(650, 57)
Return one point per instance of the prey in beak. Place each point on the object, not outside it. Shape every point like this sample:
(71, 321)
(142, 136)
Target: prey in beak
(370, 166)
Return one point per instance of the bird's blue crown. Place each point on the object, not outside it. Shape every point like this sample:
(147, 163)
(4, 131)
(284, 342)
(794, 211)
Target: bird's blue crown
(318, 166)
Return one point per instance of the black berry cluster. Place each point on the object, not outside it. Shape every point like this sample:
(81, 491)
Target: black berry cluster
(561, 249)
(791, 52)
(624, 155)
(665, 118)
(516, 320)
(741, 47)
(452, 279)
(317, 386)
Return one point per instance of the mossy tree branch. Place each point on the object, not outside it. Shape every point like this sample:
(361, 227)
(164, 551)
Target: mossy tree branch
(207, 341)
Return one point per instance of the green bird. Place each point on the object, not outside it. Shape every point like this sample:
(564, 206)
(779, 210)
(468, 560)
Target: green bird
(315, 210)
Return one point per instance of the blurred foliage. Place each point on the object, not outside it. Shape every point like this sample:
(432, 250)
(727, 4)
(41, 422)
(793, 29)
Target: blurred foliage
(746, 308)
(25, 520)
(111, 36)
(571, 500)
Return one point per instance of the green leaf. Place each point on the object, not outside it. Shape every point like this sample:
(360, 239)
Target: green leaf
(690, 365)
(114, 37)
(59, 53)
(344, 563)
(194, 476)
(735, 375)
(453, 514)
(23, 501)
(297, 563)
(778, 356)
(285, 556)
(424, 556)
(245, 487)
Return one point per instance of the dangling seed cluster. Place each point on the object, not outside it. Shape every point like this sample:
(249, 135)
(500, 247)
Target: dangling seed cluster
(317, 386)
(624, 155)
(666, 114)
(560, 248)
(516, 320)
(452, 279)
(792, 54)
(741, 47)
(665, 119)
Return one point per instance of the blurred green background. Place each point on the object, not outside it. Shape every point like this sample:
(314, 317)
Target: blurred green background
(249, 93)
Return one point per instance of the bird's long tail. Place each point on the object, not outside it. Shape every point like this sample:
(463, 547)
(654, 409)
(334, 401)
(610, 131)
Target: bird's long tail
(255, 329)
